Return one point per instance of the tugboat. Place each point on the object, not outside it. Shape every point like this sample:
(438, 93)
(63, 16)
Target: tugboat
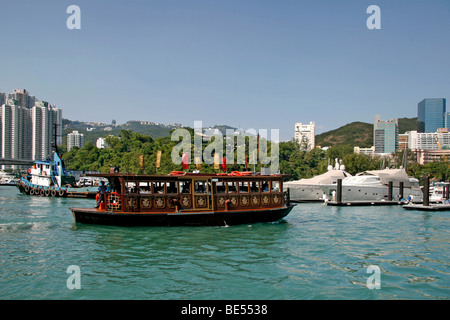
(189, 199)
(50, 178)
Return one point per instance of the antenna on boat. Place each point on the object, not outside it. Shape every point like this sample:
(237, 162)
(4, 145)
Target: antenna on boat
(55, 138)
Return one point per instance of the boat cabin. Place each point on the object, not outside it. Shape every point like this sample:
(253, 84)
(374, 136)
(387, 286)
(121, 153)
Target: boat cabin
(184, 192)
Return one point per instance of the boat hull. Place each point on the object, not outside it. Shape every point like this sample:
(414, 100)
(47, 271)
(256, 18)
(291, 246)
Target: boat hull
(218, 218)
(25, 187)
(370, 193)
(305, 193)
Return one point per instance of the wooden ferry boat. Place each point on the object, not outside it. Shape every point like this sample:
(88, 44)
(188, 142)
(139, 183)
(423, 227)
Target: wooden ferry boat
(189, 199)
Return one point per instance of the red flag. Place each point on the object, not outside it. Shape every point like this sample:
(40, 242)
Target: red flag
(185, 160)
(224, 164)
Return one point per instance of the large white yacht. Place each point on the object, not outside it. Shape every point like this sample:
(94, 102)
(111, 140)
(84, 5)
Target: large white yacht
(308, 190)
(373, 186)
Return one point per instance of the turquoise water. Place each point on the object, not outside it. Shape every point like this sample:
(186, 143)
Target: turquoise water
(317, 252)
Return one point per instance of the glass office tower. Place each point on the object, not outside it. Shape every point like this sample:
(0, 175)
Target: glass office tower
(385, 135)
(431, 115)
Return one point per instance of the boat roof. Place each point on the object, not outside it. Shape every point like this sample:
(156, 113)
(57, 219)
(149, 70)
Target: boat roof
(386, 175)
(130, 176)
(325, 178)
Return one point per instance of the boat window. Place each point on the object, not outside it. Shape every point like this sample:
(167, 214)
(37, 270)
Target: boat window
(158, 187)
(254, 186)
(275, 186)
(220, 187)
(231, 186)
(131, 187)
(145, 187)
(185, 186)
(171, 187)
(265, 186)
(200, 186)
(243, 186)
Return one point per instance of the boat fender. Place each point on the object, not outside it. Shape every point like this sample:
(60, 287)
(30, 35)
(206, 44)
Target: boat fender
(61, 192)
(53, 193)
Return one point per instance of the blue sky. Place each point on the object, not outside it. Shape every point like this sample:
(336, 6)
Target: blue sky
(261, 64)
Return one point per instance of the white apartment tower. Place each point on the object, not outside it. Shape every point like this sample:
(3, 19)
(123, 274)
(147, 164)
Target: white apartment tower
(44, 119)
(305, 135)
(27, 126)
(75, 139)
(15, 131)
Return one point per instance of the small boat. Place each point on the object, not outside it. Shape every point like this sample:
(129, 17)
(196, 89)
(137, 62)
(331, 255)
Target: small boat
(51, 179)
(189, 199)
(8, 181)
(438, 191)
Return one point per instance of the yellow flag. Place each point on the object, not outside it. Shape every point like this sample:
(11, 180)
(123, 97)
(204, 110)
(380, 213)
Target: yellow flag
(198, 162)
(216, 161)
(141, 161)
(158, 158)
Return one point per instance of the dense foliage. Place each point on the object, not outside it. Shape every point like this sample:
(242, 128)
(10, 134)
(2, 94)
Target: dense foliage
(124, 152)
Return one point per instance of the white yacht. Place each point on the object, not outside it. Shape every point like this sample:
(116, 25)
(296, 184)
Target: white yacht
(308, 190)
(373, 186)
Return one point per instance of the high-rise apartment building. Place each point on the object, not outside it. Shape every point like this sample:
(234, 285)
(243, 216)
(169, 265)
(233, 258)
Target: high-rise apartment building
(44, 119)
(305, 135)
(27, 126)
(15, 131)
(431, 115)
(75, 139)
(385, 135)
(2, 98)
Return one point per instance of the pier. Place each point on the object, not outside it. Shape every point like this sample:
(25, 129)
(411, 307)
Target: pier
(426, 205)
(389, 202)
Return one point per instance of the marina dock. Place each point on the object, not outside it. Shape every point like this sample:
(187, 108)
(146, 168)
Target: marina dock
(365, 203)
(426, 205)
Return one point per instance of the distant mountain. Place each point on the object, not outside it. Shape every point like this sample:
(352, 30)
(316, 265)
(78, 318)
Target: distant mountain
(94, 130)
(359, 133)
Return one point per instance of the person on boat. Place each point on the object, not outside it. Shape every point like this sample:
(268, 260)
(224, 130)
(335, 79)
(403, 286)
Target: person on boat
(102, 191)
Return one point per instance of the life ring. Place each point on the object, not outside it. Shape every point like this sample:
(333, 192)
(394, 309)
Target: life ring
(175, 173)
(97, 196)
(235, 173)
(246, 173)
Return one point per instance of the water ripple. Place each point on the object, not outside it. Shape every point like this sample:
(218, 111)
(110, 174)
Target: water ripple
(317, 252)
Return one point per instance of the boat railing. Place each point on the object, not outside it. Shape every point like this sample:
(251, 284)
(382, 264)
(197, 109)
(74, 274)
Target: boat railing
(160, 202)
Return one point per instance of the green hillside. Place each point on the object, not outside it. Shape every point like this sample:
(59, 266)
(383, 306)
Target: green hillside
(359, 133)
